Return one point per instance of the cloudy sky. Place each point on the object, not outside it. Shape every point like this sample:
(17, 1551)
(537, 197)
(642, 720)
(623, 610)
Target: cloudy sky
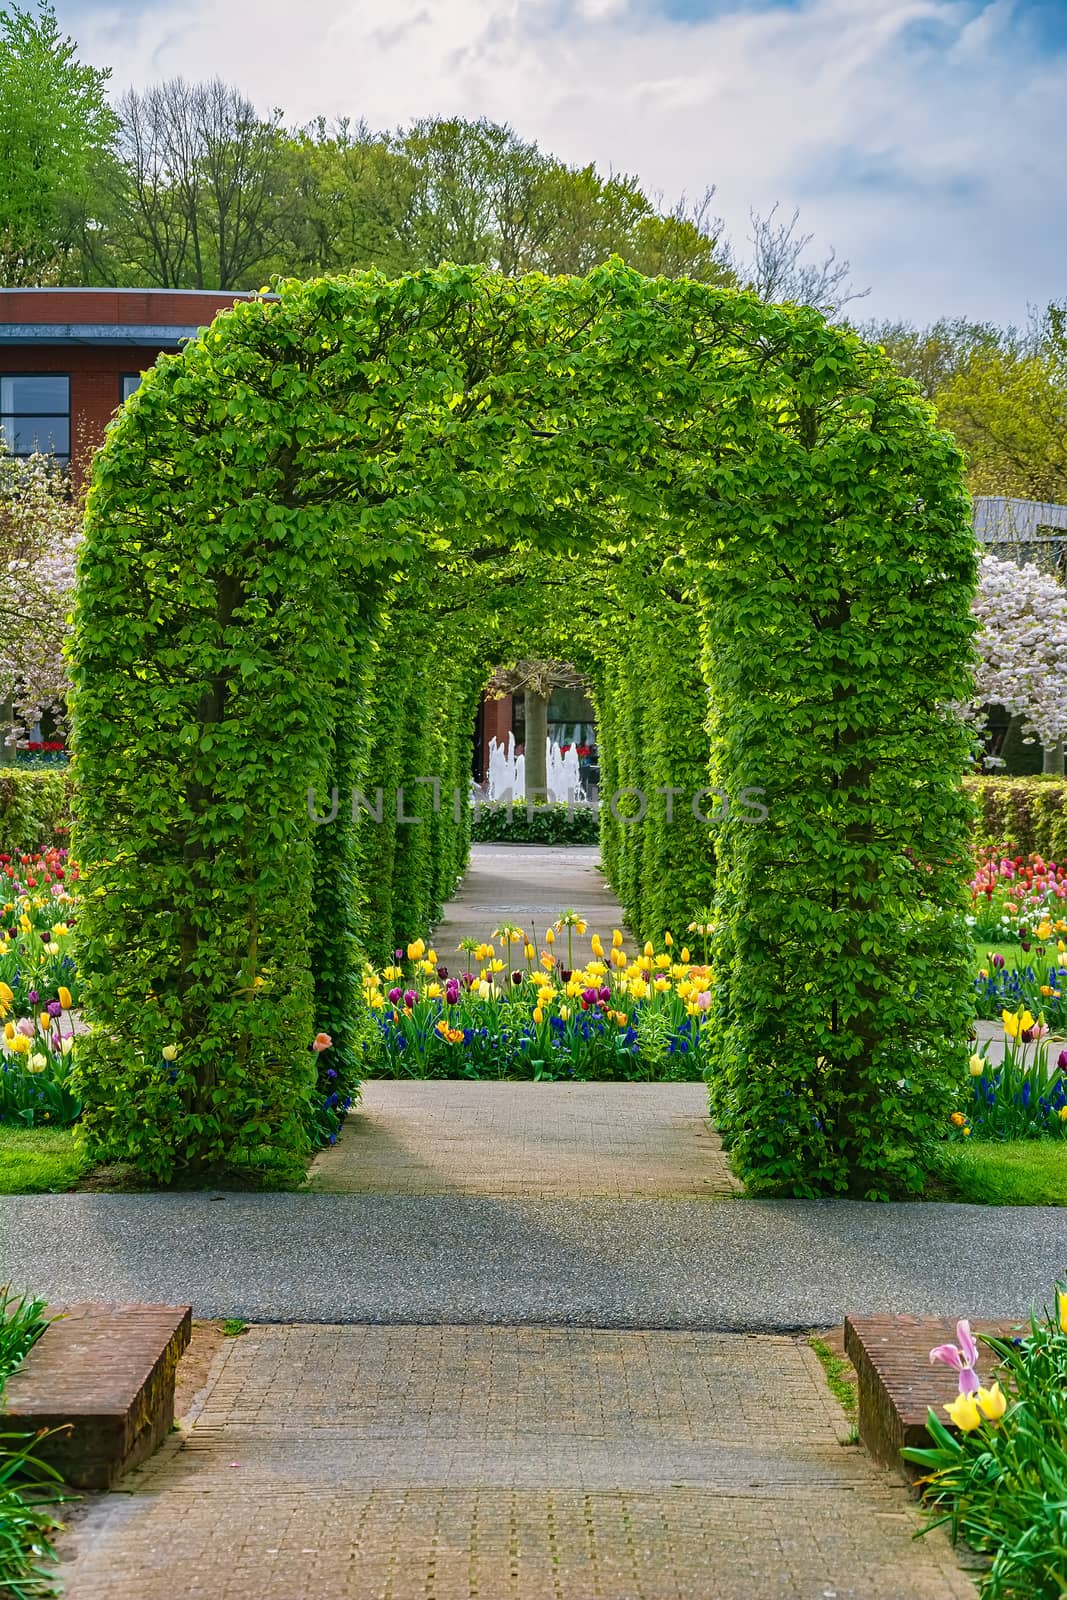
(923, 138)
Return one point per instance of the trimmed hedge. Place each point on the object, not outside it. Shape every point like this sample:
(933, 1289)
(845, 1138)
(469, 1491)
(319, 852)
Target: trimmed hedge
(1029, 813)
(35, 808)
(556, 824)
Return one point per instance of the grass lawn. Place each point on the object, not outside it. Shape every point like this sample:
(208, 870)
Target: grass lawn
(987, 1172)
(38, 1161)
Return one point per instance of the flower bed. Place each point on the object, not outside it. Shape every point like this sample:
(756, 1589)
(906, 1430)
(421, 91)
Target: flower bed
(38, 990)
(515, 1009)
(28, 1488)
(1022, 1097)
(999, 1478)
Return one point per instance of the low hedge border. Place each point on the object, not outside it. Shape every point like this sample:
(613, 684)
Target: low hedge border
(1028, 813)
(500, 823)
(35, 807)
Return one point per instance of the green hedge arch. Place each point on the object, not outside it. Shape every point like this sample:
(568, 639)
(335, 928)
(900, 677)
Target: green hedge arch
(303, 534)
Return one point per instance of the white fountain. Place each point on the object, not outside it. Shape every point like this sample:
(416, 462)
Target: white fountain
(507, 772)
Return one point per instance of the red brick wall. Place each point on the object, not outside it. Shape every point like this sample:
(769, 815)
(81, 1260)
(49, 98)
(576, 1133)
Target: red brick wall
(496, 724)
(159, 308)
(95, 373)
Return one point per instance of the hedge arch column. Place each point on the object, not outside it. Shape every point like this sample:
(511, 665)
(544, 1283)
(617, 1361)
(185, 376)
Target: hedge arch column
(284, 525)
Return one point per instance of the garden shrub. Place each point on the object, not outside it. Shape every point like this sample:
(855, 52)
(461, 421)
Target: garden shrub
(1029, 814)
(35, 808)
(339, 506)
(499, 823)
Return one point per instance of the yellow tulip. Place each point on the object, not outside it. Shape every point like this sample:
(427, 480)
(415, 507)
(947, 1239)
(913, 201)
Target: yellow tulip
(649, 951)
(416, 950)
(7, 994)
(528, 951)
(376, 1001)
(668, 939)
(67, 1045)
(638, 988)
(20, 1045)
(550, 937)
(44, 1021)
(484, 990)
(433, 990)
(564, 1012)
(1061, 1309)
(37, 1063)
(977, 1066)
(964, 1413)
(496, 966)
(52, 949)
(579, 927)
(685, 954)
(9, 1031)
(431, 956)
(59, 929)
(660, 984)
(1044, 930)
(595, 945)
(538, 1015)
(992, 1403)
(616, 939)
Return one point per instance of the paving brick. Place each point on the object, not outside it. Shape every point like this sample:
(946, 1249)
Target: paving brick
(537, 1140)
(430, 1463)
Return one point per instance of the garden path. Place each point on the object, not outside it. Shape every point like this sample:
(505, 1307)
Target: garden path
(530, 885)
(539, 1140)
(451, 1463)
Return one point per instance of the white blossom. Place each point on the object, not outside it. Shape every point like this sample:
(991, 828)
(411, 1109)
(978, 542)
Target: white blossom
(1022, 647)
(40, 528)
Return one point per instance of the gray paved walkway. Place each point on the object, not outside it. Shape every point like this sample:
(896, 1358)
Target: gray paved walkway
(352, 1463)
(564, 1140)
(713, 1264)
(530, 885)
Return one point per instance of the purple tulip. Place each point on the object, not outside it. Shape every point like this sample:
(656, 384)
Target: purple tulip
(410, 997)
(998, 961)
(45, 937)
(1061, 1060)
(1024, 946)
(33, 997)
(468, 980)
(54, 1008)
(395, 997)
(442, 973)
(590, 996)
(452, 991)
(517, 977)
(565, 976)
(604, 992)
(398, 955)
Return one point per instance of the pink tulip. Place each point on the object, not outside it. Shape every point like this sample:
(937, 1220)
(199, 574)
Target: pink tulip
(963, 1357)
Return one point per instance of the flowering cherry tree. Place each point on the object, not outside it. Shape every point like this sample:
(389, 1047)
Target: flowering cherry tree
(40, 527)
(1022, 647)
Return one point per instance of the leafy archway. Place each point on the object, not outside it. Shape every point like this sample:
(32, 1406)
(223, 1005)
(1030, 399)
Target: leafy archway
(308, 535)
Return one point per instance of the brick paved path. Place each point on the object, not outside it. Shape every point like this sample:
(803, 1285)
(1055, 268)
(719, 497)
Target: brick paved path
(442, 1463)
(530, 885)
(538, 1140)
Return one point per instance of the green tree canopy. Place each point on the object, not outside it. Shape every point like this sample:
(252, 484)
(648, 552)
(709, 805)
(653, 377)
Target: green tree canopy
(55, 126)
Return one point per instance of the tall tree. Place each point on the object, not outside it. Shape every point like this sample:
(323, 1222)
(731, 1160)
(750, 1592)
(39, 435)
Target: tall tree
(778, 270)
(933, 356)
(197, 189)
(1007, 406)
(55, 126)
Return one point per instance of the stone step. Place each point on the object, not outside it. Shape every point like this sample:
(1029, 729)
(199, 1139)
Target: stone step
(103, 1376)
(898, 1383)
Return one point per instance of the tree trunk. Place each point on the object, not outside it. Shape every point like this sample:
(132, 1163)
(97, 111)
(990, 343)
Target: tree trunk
(535, 747)
(1053, 758)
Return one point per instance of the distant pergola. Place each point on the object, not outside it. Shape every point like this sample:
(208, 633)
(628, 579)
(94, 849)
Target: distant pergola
(1028, 532)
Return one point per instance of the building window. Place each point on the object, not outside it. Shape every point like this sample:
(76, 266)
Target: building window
(35, 415)
(130, 382)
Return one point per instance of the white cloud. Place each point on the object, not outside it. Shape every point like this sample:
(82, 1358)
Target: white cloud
(914, 134)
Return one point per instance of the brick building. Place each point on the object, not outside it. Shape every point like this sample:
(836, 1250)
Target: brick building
(69, 357)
